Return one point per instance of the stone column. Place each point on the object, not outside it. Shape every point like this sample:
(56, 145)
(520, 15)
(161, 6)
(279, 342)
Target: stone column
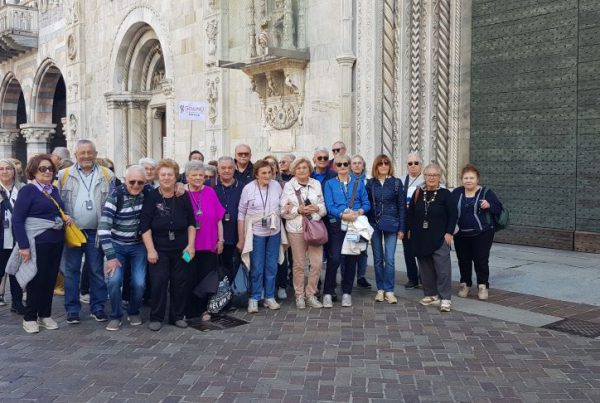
(7, 142)
(346, 60)
(38, 137)
(117, 146)
(137, 131)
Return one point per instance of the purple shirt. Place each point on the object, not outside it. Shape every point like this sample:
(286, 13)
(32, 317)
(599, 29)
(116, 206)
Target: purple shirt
(262, 203)
(207, 202)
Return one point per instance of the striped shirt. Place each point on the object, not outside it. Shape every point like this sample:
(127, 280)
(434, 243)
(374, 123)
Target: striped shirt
(121, 226)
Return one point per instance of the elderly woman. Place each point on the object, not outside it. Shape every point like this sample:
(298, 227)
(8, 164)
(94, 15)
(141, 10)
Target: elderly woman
(210, 175)
(475, 235)
(150, 167)
(431, 221)
(413, 180)
(285, 165)
(9, 190)
(302, 198)
(388, 202)
(259, 230)
(208, 213)
(38, 228)
(168, 228)
(358, 171)
(346, 199)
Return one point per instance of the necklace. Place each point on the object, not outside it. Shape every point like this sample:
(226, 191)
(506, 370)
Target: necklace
(427, 203)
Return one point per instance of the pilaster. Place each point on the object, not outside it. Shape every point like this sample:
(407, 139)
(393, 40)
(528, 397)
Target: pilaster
(38, 137)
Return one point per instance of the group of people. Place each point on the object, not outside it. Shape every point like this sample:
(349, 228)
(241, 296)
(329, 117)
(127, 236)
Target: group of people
(160, 234)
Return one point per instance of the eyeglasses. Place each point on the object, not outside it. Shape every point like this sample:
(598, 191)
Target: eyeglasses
(322, 158)
(342, 164)
(416, 163)
(243, 154)
(431, 175)
(336, 150)
(383, 163)
(44, 169)
(139, 183)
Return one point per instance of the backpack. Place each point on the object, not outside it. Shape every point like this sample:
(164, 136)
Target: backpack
(500, 221)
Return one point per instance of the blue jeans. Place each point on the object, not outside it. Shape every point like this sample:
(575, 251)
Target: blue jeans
(263, 265)
(95, 257)
(135, 257)
(384, 251)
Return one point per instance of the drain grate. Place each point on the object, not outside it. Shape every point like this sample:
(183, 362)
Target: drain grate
(217, 322)
(576, 327)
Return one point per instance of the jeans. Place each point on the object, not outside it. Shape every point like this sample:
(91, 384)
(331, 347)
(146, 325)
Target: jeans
(133, 256)
(474, 251)
(362, 264)
(412, 271)
(334, 256)
(384, 251)
(40, 289)
(263, 265)
(98, 290)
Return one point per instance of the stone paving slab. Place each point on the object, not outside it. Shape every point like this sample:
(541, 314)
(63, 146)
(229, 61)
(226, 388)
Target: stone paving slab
(370, 352)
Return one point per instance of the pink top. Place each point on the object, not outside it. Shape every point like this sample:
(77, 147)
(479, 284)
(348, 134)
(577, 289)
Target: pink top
(208, 212)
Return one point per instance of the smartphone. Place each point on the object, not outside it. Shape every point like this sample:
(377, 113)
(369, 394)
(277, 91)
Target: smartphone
(307, 202)
(186, 256)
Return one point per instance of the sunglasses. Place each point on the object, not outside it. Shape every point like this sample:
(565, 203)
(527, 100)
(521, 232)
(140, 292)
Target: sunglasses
(410, 164)
(44, 169)
(336, 150)
(139, 183)
(383, 163)
(342, 164)
(322, 158)
(243, 154)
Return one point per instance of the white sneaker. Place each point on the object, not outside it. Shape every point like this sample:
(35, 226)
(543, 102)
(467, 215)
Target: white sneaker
(84, 298)
(327, 302)
(48, 323)
(445, 305)
(463, 290)
(281, 293)
(482, 294)
(379, 297)
(252, 306)
(431, 300)
(313, 302)
(271, 304)
(391, 298)
(346, 300)
(300, 303)
(31, 326)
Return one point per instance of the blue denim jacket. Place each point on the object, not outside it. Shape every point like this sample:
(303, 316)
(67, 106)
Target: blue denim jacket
(388, 200)
(337, 198)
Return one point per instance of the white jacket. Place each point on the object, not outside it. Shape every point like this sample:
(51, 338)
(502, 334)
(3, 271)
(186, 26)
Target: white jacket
(289, 203)
(362, 227)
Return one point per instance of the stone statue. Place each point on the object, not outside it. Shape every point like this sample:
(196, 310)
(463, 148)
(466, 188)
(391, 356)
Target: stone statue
(263, 39)
(290, 84)
(212, 29)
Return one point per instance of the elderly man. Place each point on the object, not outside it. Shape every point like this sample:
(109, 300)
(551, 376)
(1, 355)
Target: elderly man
(61, 157)
(414, 178)
(244, 169)
(338, 148)
(285, 164)
(122, 244)
(84, 188)
(322, 171)
(229, 192)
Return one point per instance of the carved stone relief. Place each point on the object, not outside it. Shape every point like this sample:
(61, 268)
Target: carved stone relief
(71, 47)
(72, 12)
(212, 30)
(212, 97)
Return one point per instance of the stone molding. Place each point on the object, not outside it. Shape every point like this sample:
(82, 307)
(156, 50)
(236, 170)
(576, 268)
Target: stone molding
(8, 136)
(38, 133)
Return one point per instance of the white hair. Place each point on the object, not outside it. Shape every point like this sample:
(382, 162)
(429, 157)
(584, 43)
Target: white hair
(147, 161)
(62, 153)
(194, 166)
(321, 150)
(135, 168)
(226, 158)
(84, 142)
(291, 157)
(414, 154)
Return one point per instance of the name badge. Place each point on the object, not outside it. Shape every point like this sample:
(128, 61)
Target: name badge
(264, 222)
(352, 237)
(171, 236)
(227, 217)
(89, 205)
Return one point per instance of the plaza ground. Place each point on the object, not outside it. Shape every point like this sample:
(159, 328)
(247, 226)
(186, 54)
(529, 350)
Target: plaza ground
(495, 351)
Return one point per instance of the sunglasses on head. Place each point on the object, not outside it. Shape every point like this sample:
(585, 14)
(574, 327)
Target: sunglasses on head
(383, 163)
(336, 150)
(44, 169)
(342, 164)
(410, 164)
(139, 183)
(322, 158)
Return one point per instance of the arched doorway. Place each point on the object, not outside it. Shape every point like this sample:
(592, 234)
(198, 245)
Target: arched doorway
(141, 94)
(13, 114)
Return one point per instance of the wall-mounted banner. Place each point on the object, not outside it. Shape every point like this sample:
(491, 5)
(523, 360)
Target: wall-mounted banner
(192, 110)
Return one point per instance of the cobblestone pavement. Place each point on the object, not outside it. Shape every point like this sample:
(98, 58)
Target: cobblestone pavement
(371, 352)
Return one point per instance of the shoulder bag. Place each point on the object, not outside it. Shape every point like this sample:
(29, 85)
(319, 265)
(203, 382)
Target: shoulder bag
(315, 232)
(74, 237)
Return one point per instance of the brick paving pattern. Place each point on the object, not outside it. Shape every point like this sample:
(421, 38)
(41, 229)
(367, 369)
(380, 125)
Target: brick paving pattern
(370, 352)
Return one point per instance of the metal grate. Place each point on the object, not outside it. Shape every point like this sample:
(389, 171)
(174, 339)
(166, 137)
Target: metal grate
(576, 327)
(217, 322)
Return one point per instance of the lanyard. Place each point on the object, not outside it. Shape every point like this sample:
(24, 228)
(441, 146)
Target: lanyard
(87, 187)
(197, 204)
(344, 189)
(266, 199)
(167, 207)
(226, 193)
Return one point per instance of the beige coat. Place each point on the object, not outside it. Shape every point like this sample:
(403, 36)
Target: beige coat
(289, 203)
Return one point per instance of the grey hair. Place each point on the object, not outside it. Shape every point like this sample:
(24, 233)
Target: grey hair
(210, 168)
(194, 166)
(340, 142)
(135, 168)
(62, 152)
(342, 158)
(361, 158)
(148, 161)
(414, 154)
(226, 158)
(435, 166)
(242, 145)
(291, 157)
(84, 142)
(321, 150)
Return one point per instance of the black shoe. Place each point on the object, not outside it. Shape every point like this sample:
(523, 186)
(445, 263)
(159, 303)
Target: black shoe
(73, 318)
(411, 285)
(363, 283)
(18, 308)
(2, 302)
(100, 316)
(333, 297)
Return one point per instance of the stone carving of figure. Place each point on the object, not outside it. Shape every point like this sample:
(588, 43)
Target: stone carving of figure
(290, 84)
(73, 125)
(263, 39)
(212, 96)
(72, 11)
(157, 77)
(271, 89)
(212, 29)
